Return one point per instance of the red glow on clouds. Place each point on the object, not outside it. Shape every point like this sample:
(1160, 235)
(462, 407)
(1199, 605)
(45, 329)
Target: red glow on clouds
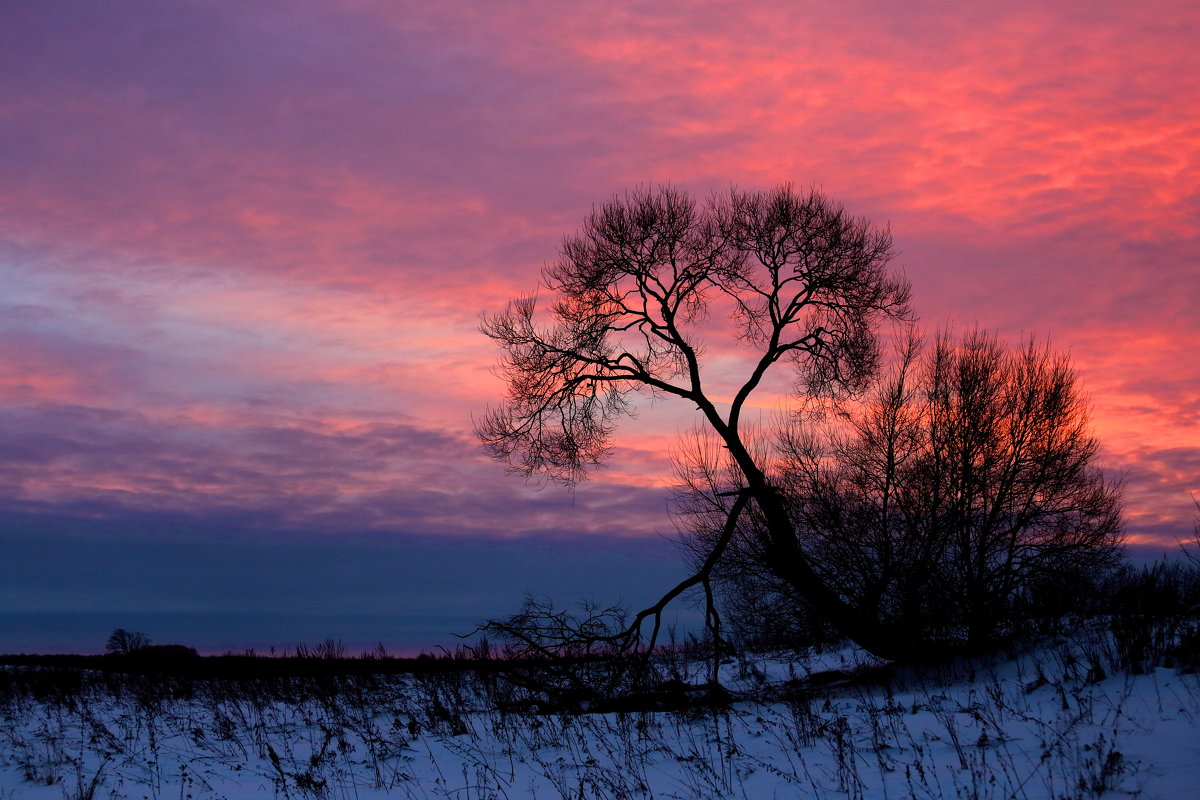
(246, 249)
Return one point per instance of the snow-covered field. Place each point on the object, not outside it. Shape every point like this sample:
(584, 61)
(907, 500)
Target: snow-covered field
(1046, 724)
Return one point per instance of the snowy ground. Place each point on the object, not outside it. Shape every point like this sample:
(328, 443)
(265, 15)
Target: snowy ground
(1044, 725)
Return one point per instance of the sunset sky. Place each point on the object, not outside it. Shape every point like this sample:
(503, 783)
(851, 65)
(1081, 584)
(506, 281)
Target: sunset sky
(244, 250)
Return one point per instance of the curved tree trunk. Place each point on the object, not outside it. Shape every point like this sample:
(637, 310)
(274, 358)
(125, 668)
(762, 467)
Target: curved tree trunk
(793, 567)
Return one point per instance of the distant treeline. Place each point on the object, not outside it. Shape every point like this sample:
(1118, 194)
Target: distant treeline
(158, 660)
(304, 662)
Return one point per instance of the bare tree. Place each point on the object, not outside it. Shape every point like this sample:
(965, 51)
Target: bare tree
(123, 642)
(803, 285)
(961, 485)
(1027, 504)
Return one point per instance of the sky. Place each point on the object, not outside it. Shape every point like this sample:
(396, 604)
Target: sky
(245, 247)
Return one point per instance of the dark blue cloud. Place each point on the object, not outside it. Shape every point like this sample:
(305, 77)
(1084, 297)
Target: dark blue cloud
(66, 582)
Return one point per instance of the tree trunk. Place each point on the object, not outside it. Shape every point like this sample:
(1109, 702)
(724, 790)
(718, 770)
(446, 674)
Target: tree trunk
(790, 563)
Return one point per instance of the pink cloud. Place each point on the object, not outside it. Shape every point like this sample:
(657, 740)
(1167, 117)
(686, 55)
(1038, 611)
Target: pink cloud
(287, 218)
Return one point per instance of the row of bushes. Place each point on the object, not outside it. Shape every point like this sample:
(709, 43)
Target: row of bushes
(1151, 612)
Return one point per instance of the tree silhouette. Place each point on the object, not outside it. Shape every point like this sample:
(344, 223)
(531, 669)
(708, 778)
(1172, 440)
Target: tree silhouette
(123, 642)
(802, 284)
(949, 500)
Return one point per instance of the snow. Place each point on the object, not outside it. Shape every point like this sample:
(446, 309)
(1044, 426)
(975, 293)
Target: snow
(1043, 724)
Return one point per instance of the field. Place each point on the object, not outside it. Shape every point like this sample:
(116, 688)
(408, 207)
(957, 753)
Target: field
(1058, 720)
